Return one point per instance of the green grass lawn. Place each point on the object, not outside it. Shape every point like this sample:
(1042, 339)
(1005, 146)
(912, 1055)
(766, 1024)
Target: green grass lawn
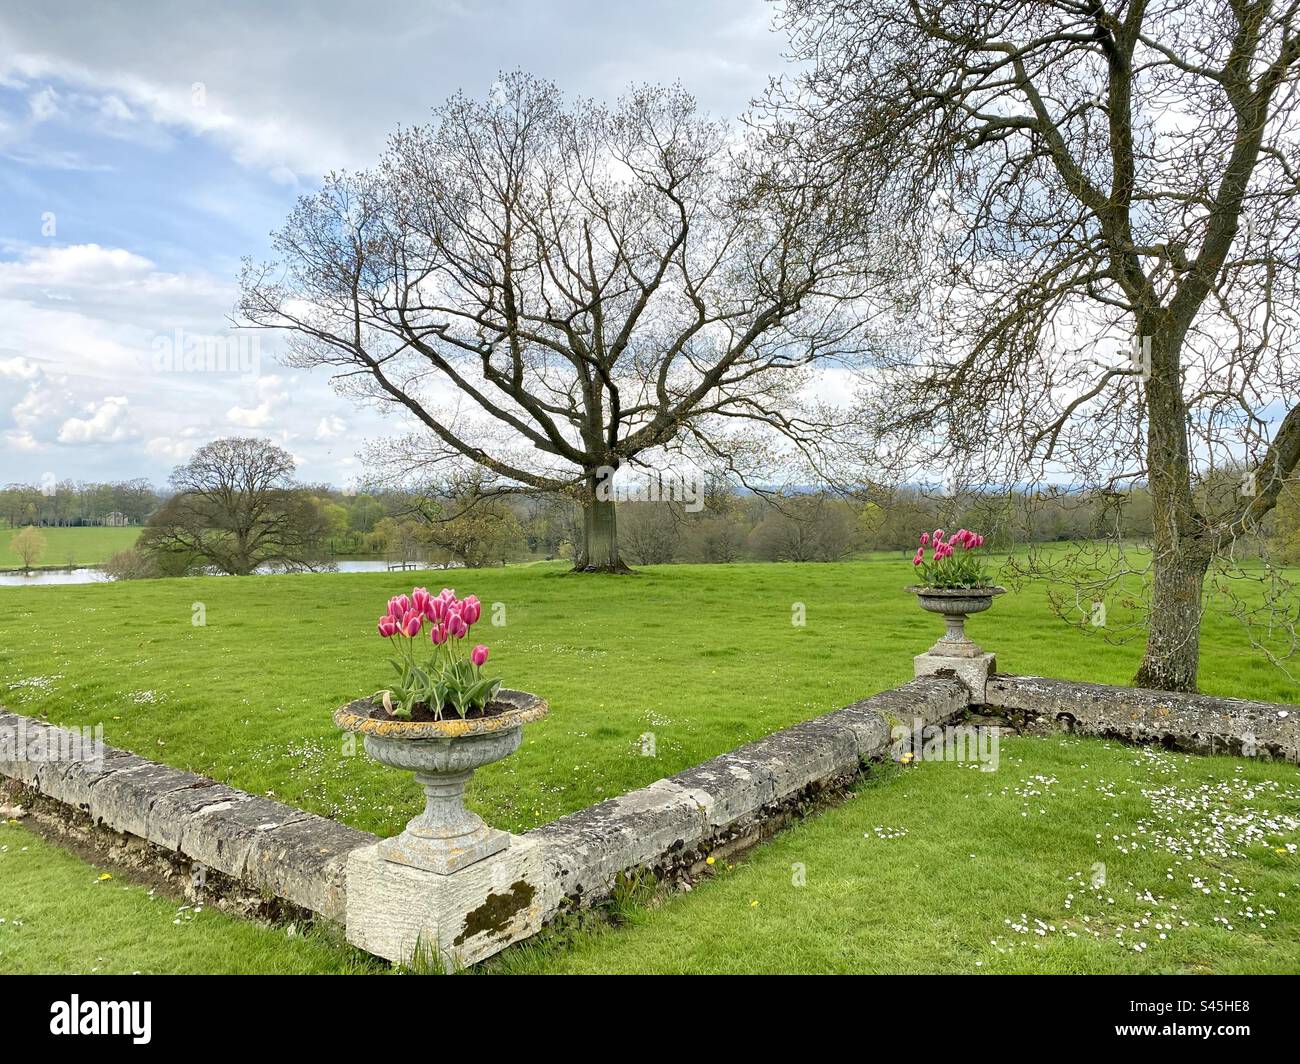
(71, 546)
(60, 914)
(704, 657)
(934, 868)
(941, 867)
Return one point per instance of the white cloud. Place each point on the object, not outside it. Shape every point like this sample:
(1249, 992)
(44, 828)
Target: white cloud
(167, 451)
(272, 396)
(331, 427)
(44, 104)
(83, 322)
(253, 82)
(19, 369)
(22, 441)
(73, 265)
(106, 423)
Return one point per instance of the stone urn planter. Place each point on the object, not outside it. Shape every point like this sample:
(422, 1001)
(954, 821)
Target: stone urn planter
(954, 605)
(443, 755)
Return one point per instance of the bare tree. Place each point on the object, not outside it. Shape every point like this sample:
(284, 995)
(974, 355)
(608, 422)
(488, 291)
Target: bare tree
(652, 532)
(1105, 195)
(553, 289)
(236, 508)
(28, 546)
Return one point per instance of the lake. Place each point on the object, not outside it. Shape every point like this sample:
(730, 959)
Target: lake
(98, 576)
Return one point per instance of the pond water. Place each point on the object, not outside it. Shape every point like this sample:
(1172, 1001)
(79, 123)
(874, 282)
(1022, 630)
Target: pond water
(98, 576)
(62, 576)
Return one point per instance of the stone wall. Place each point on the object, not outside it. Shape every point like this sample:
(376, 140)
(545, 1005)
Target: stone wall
(665, 829)
(733, 800)
(1201, 724)
(269, 846)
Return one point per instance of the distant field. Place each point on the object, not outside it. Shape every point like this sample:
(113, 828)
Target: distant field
(71, 546)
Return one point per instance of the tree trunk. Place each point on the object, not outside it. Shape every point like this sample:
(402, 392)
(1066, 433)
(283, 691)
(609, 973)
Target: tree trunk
(1180, 554)
(600, 538)
(1174, 625)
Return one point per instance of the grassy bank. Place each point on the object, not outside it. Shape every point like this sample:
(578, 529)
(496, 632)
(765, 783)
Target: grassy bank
(61, 914)
(70, 546)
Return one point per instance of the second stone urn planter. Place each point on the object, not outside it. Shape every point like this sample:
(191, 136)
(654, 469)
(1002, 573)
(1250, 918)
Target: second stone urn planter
(955, 605)
(443, 755)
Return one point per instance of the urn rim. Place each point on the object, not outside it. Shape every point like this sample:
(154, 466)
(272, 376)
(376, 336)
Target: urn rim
(922, 591)
(525, 708)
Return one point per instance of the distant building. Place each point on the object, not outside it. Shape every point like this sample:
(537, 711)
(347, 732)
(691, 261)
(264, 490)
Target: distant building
(116, 519)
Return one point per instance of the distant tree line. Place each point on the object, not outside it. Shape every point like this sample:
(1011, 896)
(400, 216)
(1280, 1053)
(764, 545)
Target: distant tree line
(235, 507)
(68, 503)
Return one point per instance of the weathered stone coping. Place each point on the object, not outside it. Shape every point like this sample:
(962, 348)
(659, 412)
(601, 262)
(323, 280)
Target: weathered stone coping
(1202, 724)
(273, 847)
(731, 801)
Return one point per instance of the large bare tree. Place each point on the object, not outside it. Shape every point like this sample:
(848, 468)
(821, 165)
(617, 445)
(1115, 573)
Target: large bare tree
(1106, 205)
(236, 508)
(553, 290)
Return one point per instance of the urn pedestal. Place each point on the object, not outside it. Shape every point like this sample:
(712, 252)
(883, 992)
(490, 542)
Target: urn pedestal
(956, 652)
(450, 890)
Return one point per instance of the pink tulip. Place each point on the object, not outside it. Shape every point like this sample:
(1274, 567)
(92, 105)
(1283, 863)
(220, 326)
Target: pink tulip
(438, 634)
(395, 608)
(925, 539)
(456, 627)
(938, 534)
(919, 556)
(979, 541)
(411, 623)
(479, 655)
(420, 599)
(387, 626)
(447, 594)
(471, 609)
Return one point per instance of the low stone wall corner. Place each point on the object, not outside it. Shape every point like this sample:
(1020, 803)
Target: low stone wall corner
(1202, 724)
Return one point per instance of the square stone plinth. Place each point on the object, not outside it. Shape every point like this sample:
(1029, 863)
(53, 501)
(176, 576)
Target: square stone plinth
(410, 915)
(972, 672)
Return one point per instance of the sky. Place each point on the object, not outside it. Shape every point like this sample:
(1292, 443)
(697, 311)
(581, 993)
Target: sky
(145, 147)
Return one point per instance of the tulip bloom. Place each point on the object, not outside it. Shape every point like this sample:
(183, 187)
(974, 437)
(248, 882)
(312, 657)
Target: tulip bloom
(925, 539)
(447, 668)
(471, 609)
(919, 557)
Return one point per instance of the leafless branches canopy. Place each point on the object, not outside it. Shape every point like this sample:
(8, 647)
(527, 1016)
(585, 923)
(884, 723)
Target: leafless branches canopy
(1108, 196)
(551, 287)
